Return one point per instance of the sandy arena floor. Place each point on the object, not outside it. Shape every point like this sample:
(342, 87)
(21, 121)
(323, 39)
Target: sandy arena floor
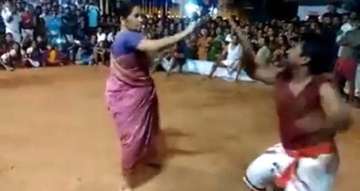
(56, 135)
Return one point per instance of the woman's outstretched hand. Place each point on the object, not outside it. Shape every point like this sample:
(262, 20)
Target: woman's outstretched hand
(156, 45)
(191, 27)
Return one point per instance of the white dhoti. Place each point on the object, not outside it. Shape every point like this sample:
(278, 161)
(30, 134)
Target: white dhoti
(310, 173)
(357, 82)
(229, 63)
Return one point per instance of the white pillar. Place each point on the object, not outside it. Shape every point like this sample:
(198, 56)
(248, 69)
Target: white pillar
(107, 7)
(101, 2)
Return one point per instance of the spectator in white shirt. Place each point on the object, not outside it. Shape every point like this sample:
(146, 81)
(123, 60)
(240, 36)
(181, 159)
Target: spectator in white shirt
(12, 21)
(230, 58)
(101, 35)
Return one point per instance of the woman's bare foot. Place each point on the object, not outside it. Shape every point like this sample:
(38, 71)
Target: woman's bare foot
(124, 186)
(125, 189)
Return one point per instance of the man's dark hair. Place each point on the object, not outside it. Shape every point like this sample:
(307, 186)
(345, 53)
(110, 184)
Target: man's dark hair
(318, 50)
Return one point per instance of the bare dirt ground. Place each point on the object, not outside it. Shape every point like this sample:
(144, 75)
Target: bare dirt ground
(56, 135)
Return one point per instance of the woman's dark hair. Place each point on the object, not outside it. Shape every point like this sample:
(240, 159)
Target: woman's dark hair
(318, 50)
(125, 8)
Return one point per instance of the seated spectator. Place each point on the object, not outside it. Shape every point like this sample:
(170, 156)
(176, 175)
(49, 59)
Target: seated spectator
(101, 53)
(100, 35)
(264, 52)
(3, 50)
(41, 44)
(12, 53)
(111, 35)
(83, 56)
(280, 52)
(230, 58)
(178, 58)
(33, 56)
(52, 57)
(191, 48)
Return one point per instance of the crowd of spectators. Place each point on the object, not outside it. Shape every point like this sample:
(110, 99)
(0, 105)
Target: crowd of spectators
(50, 34)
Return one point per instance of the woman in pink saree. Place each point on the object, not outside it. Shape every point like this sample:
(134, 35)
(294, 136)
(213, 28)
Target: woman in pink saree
(130, 92)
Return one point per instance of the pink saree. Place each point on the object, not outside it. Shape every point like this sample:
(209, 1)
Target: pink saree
(132, 100)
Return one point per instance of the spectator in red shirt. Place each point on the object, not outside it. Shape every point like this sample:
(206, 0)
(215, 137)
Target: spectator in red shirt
(27, 23)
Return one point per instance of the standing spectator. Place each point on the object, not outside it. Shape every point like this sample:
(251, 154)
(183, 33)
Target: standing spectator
(80, 25)
(12, 21)
(2, 26)
(39, 23)
(349, 57)
(329, 32)
(27, 22)
(93, 13)
(53, 25)
(68, 24)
